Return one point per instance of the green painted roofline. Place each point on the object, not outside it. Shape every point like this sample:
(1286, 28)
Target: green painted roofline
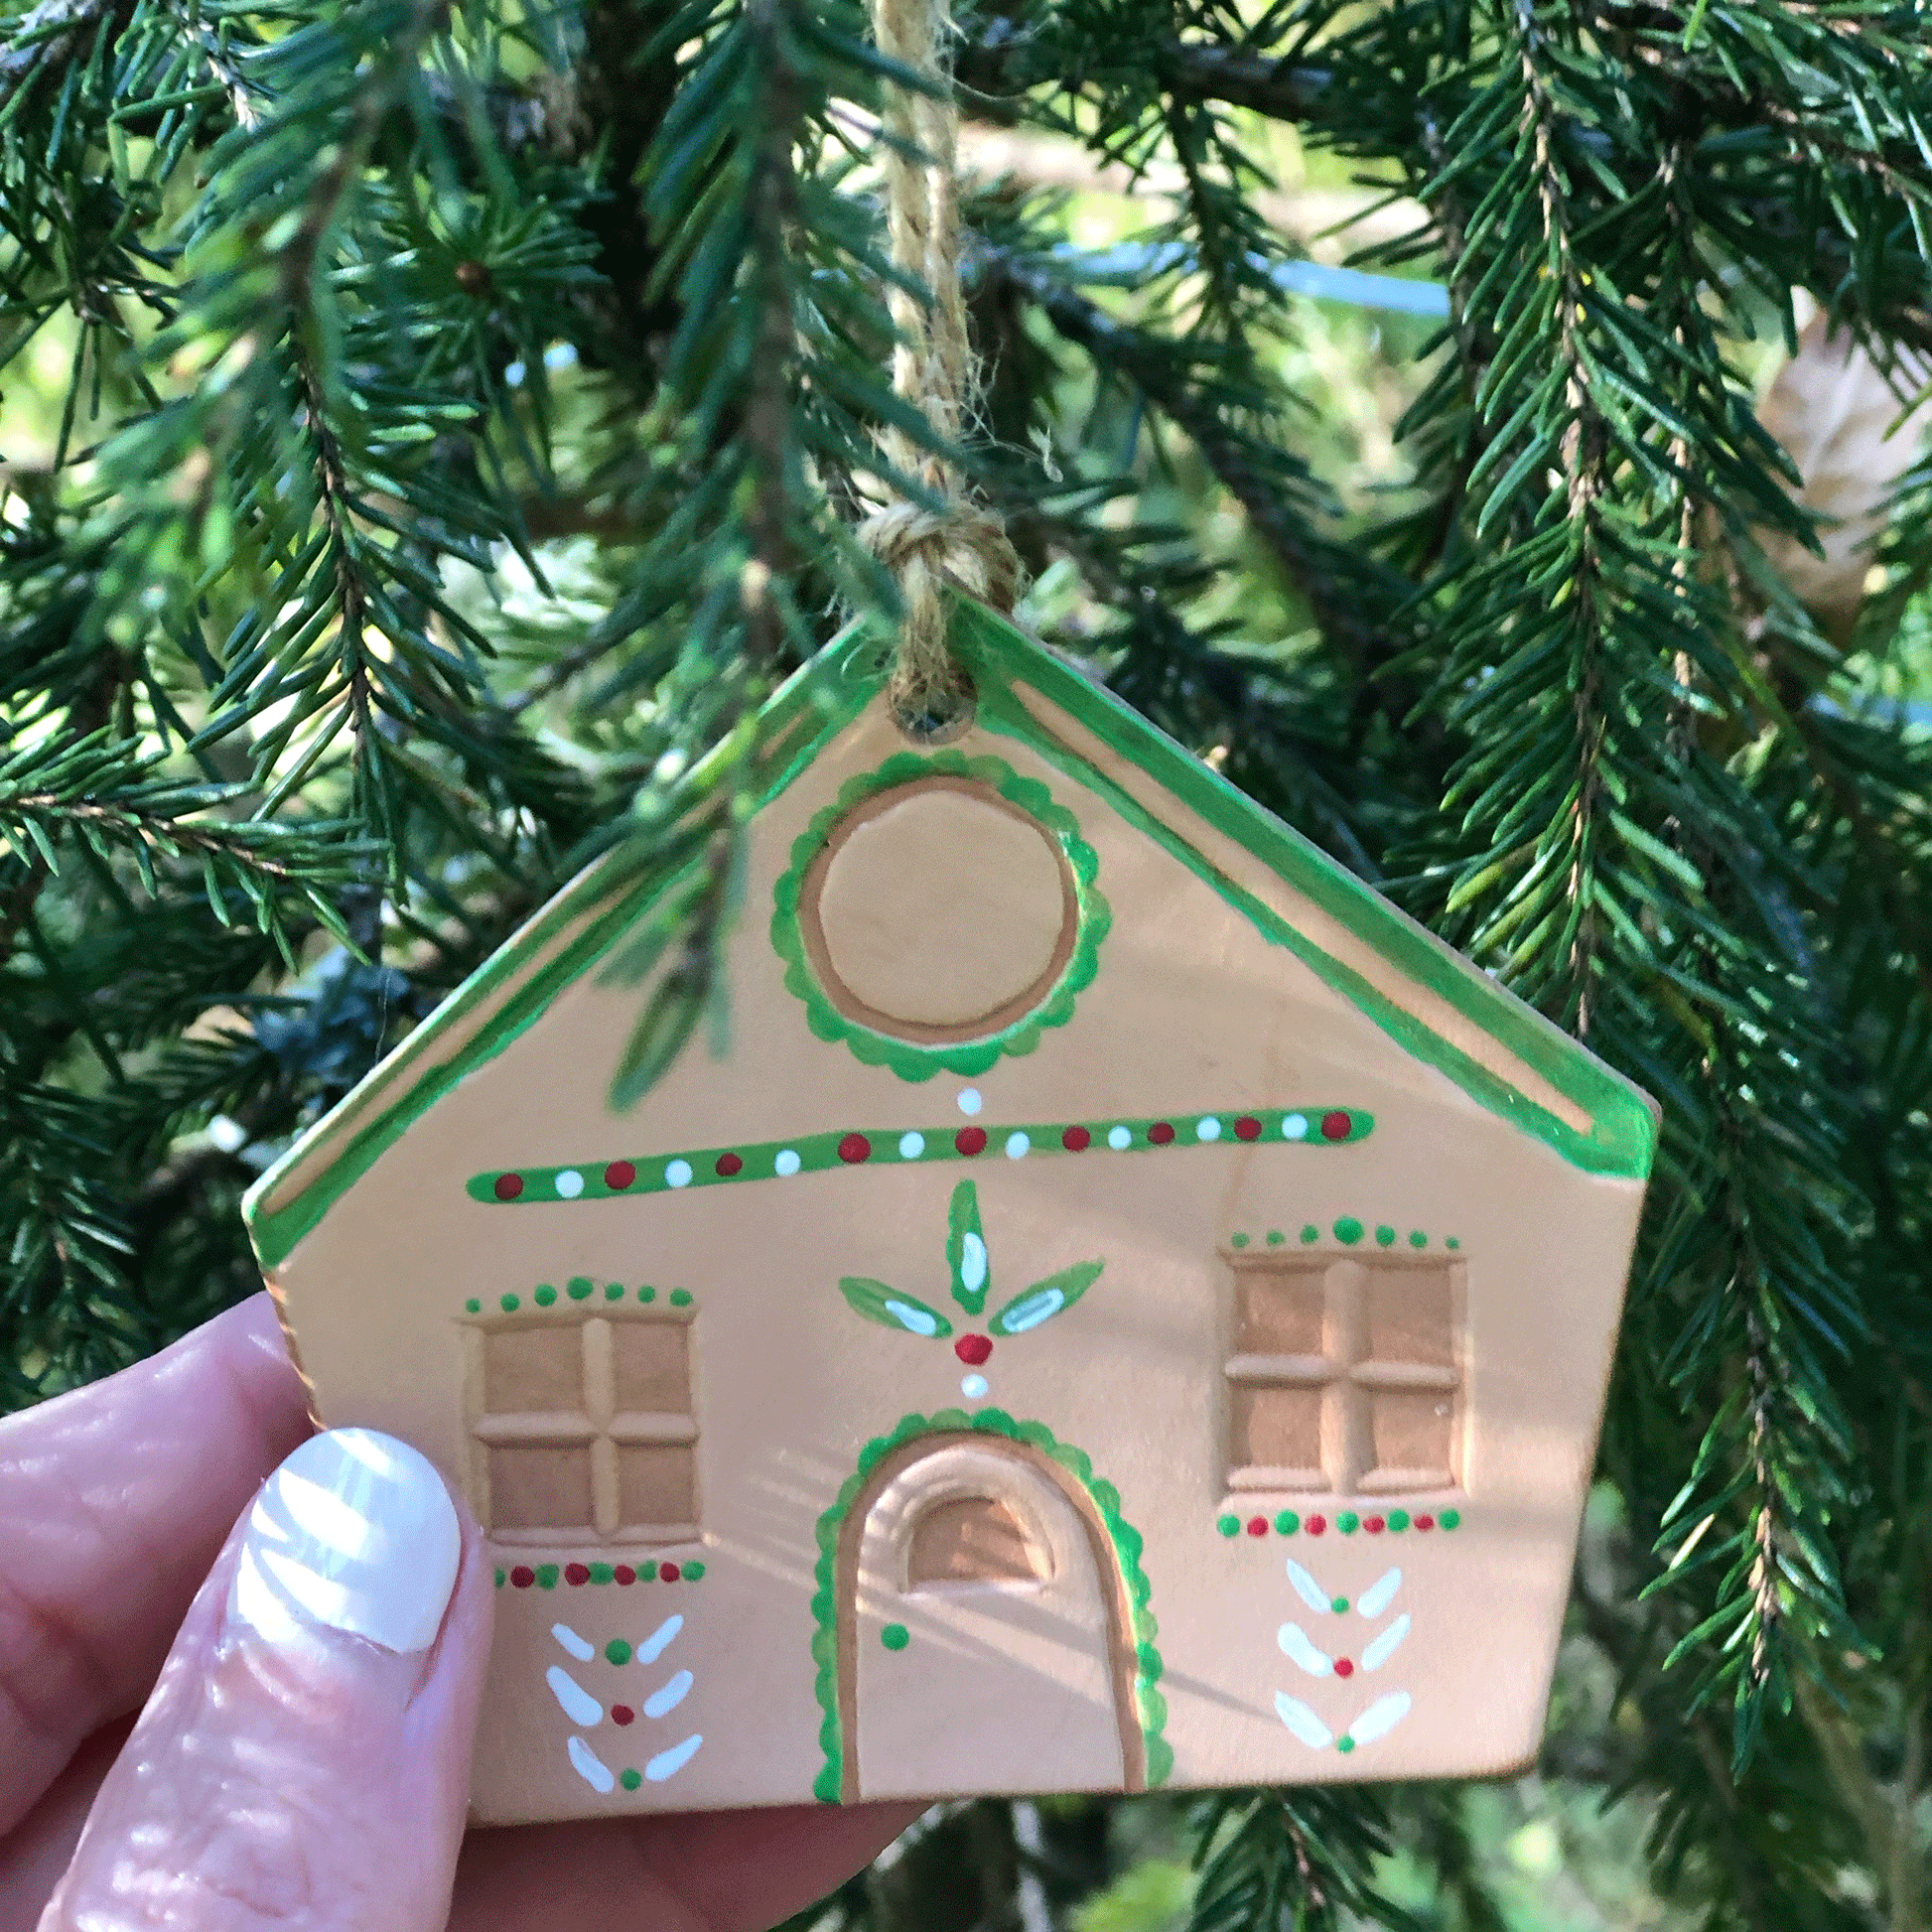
(799, 720)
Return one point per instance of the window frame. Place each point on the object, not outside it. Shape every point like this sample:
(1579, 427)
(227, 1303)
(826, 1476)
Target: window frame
(1346, 1376)
(599, 1425)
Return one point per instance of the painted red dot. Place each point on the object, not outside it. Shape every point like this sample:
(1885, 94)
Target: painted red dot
(618, 1175)
(1343, 1668)
(969, 1139)
(1374, 1525)
(667, 1571)
(524, 1575)
(622, 1713)
(509, 1185)
(1076, 1140)
(855, 1147)
(1161, 1133)
(730, 1163)
(1424, 1522)
(576, 1573)
(1247, 1128)
(1335, 1125)
(973, 1350)
(1316, 1525)
(625, 1574)
(1257, 1526)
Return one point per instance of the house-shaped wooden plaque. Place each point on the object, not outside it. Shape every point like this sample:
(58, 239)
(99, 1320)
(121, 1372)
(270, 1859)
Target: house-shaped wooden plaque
(1128, 1308)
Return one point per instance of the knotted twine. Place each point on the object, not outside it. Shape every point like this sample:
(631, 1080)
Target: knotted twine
(934, 369)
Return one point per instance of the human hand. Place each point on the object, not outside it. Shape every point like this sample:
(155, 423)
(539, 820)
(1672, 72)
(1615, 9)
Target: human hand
(295, 1767)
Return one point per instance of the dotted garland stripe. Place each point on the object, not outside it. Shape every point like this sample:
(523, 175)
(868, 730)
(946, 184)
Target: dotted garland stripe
(547, 1576)
(1349, 1521)
(712, 1167)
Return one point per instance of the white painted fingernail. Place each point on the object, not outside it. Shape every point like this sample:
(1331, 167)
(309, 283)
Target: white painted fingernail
(356, 1532)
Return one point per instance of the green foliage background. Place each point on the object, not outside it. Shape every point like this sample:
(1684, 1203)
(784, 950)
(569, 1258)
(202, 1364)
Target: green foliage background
(429, 429)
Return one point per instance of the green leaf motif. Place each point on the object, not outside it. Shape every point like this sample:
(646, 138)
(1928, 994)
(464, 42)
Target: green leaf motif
(1046, 1298)
(966, 1256)
(891, 1309)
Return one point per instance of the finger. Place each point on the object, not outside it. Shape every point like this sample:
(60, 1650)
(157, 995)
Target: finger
(37, 1850)
(114, 1501)
(304, 1761)
(723, 1871)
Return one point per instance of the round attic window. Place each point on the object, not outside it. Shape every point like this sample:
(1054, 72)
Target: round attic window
(939, 911)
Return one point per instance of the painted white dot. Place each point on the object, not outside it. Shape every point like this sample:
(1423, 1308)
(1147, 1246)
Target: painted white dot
(972, 1387)
(910, 1146)
(568, 1184)
(1208, 1129)
(678, 1174)
(786, 1162)
(1017, 1146)
(1294, 1127)
(1119, 1136)
(970, 1101)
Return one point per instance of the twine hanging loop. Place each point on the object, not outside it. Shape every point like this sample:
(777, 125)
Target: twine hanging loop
(932, 368)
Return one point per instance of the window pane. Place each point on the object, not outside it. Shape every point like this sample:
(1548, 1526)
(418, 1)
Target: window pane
(656, 1484)
(535, 1370)
(1415, 1437)
(653, 1364)
(1410, 1316)
(544, 1488)
(1277, 1429)
(1278, 1312)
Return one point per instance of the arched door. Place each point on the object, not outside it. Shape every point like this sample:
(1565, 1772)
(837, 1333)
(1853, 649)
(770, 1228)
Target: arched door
(984, 1629)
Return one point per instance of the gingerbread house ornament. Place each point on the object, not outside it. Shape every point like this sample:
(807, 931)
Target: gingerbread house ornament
(1124, 1307)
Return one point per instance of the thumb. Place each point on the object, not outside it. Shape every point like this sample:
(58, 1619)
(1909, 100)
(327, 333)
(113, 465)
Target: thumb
(304, 1760)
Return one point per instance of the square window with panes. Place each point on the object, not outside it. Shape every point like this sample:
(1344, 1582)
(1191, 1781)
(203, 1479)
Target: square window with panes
(582, 1426)
(1346, 1377)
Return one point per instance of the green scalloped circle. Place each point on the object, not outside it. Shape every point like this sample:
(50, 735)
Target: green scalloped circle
(1126, 1541)
(908, 1059)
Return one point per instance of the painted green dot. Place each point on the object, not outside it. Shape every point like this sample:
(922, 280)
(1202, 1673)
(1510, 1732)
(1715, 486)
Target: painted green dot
(1450, 1519)
(1340, 1606)
(509, 1304)
(546, 1576)
(631, 1780)
(1287, 1523)
(1240, 1240)
(1348, 1522)
(618, 1651)
(1311, 1232)
(896, 1636)
(474, 1305)
(1385, 1237)
(614, 1291)
(692, 1572)
(545, 1296)
(1229, 1525)
(1276, 1237)
(647, 1295)
(1452, 1242)
(1398, 1520)
(1417, 1238)
(501, 1579)
(1348, 1230)
(1347, 1745)
(680, 1297)
(602, 1573)
(580, 1287)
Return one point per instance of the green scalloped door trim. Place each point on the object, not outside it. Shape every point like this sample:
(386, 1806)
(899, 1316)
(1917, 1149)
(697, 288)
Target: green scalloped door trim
(808, 711)
(1622, 1137)
(1152, 1707)
(909, 1058)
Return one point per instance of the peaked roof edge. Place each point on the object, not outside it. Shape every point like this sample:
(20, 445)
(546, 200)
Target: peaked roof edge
(581, 923)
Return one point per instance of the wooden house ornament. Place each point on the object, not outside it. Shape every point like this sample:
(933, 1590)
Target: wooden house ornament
(1129, 1307)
